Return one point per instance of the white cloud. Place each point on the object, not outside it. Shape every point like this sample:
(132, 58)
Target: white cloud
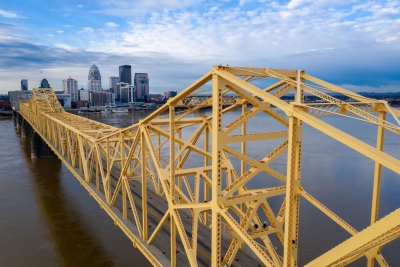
(66, 47)
(86, 30)
(112, 24)
(8, 14)
(49, 35)
(297, 3)
(139, 8)
(243, 2)
(80, 6)
(67, 26)
(387, 39)
(310, 37)
(60, 31)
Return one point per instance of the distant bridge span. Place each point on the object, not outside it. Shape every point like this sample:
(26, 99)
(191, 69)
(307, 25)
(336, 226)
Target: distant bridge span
(199, 166)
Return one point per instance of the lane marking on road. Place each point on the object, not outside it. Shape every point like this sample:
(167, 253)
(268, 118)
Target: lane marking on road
(180, 250)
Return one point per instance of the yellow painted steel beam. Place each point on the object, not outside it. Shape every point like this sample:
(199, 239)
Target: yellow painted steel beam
(352, 142)
(378, 234)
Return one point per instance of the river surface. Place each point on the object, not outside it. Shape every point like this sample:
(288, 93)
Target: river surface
(48, 219)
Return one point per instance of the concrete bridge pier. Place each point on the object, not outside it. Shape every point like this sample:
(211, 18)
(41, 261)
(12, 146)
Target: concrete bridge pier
(18, 121)
(39, 148)
(23, 129)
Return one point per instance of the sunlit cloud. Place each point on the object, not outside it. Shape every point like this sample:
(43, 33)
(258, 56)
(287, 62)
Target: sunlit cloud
(86, 30)
(8, 14)
(112, 24)
(66, 47)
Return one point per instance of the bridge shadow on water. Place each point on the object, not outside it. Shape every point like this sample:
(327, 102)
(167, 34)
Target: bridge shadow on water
(73, 240)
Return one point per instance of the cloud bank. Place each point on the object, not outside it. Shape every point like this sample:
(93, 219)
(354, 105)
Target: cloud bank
(353, 43)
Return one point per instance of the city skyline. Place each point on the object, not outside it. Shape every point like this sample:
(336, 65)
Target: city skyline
(354, 44)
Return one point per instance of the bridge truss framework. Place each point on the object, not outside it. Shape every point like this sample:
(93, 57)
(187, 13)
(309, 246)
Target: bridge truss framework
(201, 166)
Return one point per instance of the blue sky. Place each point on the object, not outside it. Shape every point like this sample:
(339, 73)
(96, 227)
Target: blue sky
(355, 44)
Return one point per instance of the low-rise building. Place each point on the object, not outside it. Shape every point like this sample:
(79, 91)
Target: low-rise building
(84, 95)
(102, 99)
(64, 99)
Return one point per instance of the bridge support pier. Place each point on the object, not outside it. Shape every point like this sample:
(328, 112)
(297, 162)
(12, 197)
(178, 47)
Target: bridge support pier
(23, 129)
(39, 149)
(18, 120)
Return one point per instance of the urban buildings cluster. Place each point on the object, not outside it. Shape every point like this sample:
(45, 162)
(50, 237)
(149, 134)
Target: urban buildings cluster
(122, 90)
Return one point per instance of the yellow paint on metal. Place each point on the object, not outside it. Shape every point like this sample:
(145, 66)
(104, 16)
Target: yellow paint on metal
(212, 191)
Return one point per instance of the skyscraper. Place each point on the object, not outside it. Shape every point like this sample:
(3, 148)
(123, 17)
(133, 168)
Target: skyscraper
(24, 84)
(125, 74)
(94, 73)
(70, 86)
(141, 84)
(44, 84)
(118, 91)
(113, 83)
(94, 85)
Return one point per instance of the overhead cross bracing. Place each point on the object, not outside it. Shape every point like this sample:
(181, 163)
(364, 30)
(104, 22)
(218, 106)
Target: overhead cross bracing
(214, 194)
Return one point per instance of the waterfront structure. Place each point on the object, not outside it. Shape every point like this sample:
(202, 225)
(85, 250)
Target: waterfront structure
(44, 84)
(94, 85)
(141, 83)
(70, 86)
(201, 165)
(125, 74)
(94, 73)
(113, 81)
(24, 84)
(65, 100)
(155, 98)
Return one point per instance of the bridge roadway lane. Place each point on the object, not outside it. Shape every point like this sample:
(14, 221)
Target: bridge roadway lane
(157, 207)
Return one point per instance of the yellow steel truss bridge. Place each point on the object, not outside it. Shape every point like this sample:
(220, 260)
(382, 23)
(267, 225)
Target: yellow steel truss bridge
(181, 178)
